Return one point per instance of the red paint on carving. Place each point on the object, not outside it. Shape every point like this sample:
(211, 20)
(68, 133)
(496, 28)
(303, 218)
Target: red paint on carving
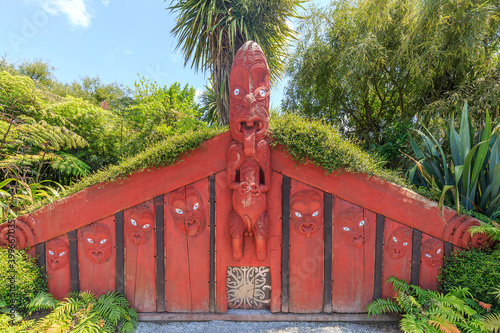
(58, 271)
(431, 261)
(24, 229)
(306, 212)
(187, 210)
(97, 242)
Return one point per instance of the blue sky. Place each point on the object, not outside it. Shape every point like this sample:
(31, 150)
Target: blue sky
(115, 40)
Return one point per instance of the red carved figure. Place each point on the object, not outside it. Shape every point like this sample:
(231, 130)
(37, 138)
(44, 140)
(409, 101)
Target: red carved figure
(188, 213)
(57, 253)
(248, 156)
(432, 252)
(139, 225)
(97, 244)
(306, 210)
(352, 223)
(398, 243)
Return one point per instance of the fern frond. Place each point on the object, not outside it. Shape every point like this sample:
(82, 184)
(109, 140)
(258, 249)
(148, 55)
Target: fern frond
(381, 306)
(443, 325)
(42, 301)
(492, 322)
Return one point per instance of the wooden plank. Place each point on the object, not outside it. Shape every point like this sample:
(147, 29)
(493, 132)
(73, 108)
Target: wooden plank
(328, 256)
(211, 181)
(97, 256)
(188, 255)
(41, 258)
(379, 247)
(58, 270)
(160, 254)
(306, 249)
(353, 257)
(285, 248)
(120, 253)
(431, 258)
(140, 275)
(397, 255)
(415, 258)
(448, 249)
(73, 260)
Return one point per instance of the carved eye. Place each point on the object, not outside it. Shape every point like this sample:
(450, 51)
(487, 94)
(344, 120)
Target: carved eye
(145, 226)
(179, 211)
(395, 239)
(405, 243)
(362, 223)
(315, 213)
(51, 252)
(103, 241)
(298, 214)
(90, 240)
(62, 253)
(133, 222)
(346, 229)
(262, 92)
(427, 255)
(438, 251)
(236, 91)
(196, 205)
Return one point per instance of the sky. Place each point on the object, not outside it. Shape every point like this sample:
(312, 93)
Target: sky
(119, 41)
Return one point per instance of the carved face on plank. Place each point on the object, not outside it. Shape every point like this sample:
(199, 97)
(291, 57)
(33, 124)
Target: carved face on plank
(97, 244)
(398, 243)
(352, 226)
(306, 210)
(57, 253)
(187, 209)
(139, 225)
(432, 252)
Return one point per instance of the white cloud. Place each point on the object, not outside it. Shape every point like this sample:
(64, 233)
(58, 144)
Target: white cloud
(197, 94)
(105, 2)
(127, 51)
(75, 10)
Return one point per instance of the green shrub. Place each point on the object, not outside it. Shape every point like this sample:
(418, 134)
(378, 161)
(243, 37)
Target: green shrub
(28, 279)
(479, 271)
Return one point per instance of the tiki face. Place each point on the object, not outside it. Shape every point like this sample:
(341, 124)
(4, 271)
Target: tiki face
(249, 95)
(352, 226)
(97, 243)
(139, 225)
(57, 253)
(188, 213)
(432, 252)
(399, 242)
(306, 210)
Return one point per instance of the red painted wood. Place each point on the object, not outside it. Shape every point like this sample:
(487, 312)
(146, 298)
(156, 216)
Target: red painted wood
(431, 261)
(58, 271)
(397, 254)
(306, 253)
(187, 257)
(224, 257)
(140, 276)
(97, 271)
(353, 257)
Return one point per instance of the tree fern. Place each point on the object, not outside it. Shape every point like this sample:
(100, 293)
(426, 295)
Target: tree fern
(42, 301)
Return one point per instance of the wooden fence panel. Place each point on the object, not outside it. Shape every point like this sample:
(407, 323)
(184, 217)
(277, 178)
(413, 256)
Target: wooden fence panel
(58, 270)
(431, 261)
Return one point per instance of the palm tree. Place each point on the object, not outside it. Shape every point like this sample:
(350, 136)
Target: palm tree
(210, 32)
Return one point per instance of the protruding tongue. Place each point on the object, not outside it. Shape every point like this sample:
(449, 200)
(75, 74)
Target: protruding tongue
(249, 130)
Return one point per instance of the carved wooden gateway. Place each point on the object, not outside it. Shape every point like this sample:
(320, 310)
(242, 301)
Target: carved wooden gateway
(238, 225)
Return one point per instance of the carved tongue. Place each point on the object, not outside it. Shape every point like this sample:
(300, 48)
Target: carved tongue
(249, 138)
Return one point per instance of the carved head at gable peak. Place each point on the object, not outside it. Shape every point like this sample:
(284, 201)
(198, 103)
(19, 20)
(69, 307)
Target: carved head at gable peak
(249, 94)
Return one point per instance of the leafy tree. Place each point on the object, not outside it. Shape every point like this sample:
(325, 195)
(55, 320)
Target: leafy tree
(39, 71)
(211, 32)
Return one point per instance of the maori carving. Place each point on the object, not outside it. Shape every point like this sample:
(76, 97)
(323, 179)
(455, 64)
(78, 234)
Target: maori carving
(187, 209)
(432, 252)
(97, 244)
(457, 231)
(248, 156)
(139, 225)
(24, 230)
(351, 222)
(57, 253)
(248, 287)
(306, 208)
(399, 242)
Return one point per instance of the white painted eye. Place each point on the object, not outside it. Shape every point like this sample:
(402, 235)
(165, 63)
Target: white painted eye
(62, 253)
(145, 226)
(196, 205)
(103, 241)
(395, 239)
(438, 251)
(298, 214)
(90, 240)
(346, 229)
(133, 222)
(236, 91)
(428, 255)
(51, 252)
(405, 243)
(179, 211)
(315, 213)
(262, 92)
(362, 223)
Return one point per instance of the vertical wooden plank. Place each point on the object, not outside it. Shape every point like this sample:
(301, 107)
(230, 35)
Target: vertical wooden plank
(397, 255)
(58, 270)
(448, 249)
(97, 256)
(140, 273)
(415, 258)
(211, 181)
(285, 248)
(160, 254)
(327, 269)
(41, 258)
(120, 253)
(73, 260)
(379, 247)
(354, 231)
(431, 258)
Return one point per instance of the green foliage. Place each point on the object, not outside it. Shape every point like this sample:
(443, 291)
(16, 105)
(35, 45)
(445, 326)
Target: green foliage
(492, 320)
(427, 311)
(27, 281)
(479, 271)
(16, 325)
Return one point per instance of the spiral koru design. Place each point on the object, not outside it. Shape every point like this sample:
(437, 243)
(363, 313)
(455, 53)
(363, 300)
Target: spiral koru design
(23, 230)
(457, 231)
